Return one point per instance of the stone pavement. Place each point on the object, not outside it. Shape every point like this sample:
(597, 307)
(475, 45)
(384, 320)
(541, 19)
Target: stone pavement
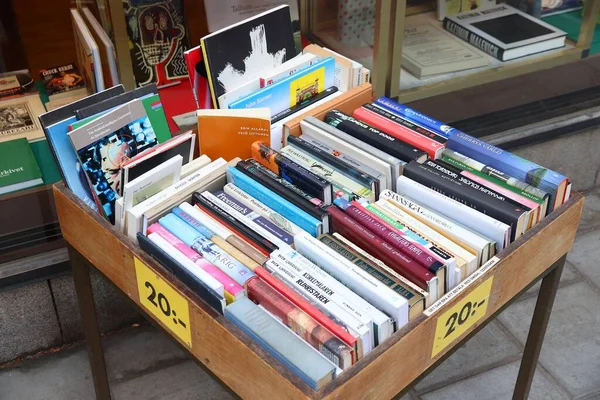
(144, 364)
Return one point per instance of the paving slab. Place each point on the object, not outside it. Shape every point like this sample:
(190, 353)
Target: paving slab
(497, 384)
(114, 310)
(584, 255)
(571, 350)
(489, 348)
(28, 321)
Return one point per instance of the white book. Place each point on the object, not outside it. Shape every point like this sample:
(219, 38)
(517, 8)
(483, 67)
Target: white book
(286, 69)
(345, 297)
(261, 209)
(241, 91)
(218, 229)
(156, 203)
(467, 238)
(147, 185)
(188, 264)
(431, 235)
(343, 66)
(107, 50)
(320, 299)
(391, 166)
(245, 220)
(383, 266)
(469, 217)
(194, 165)
(358, 280)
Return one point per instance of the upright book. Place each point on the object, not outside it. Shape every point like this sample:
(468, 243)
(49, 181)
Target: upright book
(261, 42)
(505, 33)
(88, 54)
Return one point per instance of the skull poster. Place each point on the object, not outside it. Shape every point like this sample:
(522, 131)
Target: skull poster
(158, 38)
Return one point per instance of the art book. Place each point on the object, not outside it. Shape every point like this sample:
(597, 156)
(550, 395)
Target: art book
(262, 42)
(19, 118)
(157, 40)
(104, 144)
(292, 90)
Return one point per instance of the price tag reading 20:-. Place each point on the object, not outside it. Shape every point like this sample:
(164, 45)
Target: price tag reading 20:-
(463, 315)
(159, 298)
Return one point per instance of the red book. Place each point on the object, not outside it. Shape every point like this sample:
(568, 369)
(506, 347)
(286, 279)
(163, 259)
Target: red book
(394, 259)
(416, 137)
(309, 309)
(301, 323)
(197, 74)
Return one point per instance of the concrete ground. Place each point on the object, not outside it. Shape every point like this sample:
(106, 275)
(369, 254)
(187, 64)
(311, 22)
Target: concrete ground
(144, 364)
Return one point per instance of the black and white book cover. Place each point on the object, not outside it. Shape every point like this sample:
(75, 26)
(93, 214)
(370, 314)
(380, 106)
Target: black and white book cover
(239, 53)
(505, 32)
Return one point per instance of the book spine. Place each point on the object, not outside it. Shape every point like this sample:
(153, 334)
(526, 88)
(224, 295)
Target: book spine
(220, 230)
(418, 118)
(300, 323)
(250, 219)
(341, 182)
(309, 309)
(432, 148)
(207, 249)
(222, 243)
(339, 164)
(233, 223)
(373, 136)
(369, 242)
(393, 236)
(500, 178)
(275, 202)
(474, 39)
(472, 198)
(293, 173)
(229, 285)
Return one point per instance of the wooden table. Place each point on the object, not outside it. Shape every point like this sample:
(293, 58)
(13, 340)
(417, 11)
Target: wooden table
(390, 370)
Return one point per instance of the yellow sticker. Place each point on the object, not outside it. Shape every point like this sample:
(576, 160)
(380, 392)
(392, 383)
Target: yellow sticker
(463, 315)
(162, 301)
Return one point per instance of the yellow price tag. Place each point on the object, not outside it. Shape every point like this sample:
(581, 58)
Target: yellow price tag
(159, 298)
(457, 320)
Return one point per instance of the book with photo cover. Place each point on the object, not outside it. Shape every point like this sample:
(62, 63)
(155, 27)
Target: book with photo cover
(262, 42)
(104, 144)
(505, 32)
(62, 81)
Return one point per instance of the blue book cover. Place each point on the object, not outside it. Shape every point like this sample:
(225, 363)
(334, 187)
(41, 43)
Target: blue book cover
(257, 218)
(292, 90)
(73, 174)
(511, 164)
(275, 202)
(206, 248)
(418, 118)
(281, 343)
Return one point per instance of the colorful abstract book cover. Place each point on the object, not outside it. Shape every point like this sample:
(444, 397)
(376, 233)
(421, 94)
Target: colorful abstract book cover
(158, 38)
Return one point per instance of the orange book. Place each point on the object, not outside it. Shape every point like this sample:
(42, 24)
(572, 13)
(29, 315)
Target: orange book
(230, 133)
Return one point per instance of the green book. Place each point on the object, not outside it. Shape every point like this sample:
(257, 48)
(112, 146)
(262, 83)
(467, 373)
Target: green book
(18, 168)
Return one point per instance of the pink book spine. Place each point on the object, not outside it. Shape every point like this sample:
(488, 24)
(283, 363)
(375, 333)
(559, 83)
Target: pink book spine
(503, 191)
(231, 286)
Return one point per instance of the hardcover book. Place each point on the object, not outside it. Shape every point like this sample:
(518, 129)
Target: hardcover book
(505, 33)
(62, 79)
(230, 133)
(18, 168)
(262, 42)
(88, 54)
(19, 118)
(197, 75)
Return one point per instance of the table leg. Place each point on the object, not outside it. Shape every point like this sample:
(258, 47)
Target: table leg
(87, 308)
(537, 330)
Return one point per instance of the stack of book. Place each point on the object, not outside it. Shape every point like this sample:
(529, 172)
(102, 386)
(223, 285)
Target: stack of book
(320, 249)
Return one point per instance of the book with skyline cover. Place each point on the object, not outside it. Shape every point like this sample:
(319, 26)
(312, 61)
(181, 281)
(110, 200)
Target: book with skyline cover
(261, 42)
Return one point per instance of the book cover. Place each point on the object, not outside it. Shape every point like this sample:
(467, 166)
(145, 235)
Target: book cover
(62, 79)
(286, 69)
(237, 130)
(110, 102)
(19, 118)
(157, 39)
(307, 104)
(104, 144)
(198, 78)
(106, 47)
(16, 84)
(18, 168)
(301, 323)
(374, 137)
(281, 343)
(263, 41)
(275, 202)
(292, 90)
(505, 33)
(88, 54)
(527, 171)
